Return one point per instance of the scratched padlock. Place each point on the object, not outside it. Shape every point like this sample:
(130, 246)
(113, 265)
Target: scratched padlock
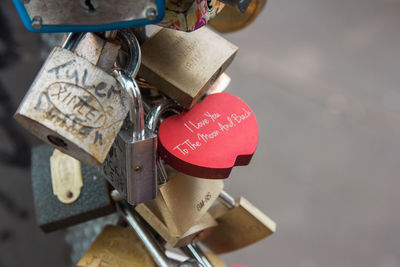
(189, 15)
(74, 104)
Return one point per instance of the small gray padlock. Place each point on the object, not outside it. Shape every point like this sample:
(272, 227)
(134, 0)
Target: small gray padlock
(130, 165)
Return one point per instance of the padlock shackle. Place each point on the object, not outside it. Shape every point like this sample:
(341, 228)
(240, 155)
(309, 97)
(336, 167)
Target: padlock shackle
(136, 111)
(126, 77)
(152, 119)
(227, 200)
(155, 114)
(71, 41)
(135, 54)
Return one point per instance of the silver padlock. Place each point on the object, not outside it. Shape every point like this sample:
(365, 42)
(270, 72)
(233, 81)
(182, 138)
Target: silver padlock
(152, 120)
(73, 103)
(130, 165)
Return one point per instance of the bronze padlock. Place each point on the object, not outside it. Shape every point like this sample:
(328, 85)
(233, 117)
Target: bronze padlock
(150, 211)
(240, 224)
(185, 65)
(116, 246)
(186, 199)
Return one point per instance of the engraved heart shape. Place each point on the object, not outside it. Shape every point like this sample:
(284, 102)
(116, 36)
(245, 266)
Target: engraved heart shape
(208, 140)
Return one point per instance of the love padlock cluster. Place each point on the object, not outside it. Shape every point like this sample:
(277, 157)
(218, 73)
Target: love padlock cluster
(141, 126)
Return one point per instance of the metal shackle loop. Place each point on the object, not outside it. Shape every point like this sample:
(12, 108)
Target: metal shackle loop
(155, 114)
(126, 77)
(152, 121)
(71, 41)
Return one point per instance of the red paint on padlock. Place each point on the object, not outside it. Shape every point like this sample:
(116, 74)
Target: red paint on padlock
(211, 138)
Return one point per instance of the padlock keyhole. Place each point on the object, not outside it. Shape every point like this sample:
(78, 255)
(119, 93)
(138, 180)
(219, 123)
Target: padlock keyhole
(57, 141)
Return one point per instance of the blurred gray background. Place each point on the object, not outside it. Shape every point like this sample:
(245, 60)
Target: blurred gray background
(323, 80)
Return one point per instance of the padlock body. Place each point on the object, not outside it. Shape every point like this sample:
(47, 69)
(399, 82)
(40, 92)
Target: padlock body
(150, 211)
(51, 214)
(117, 246)
(74, 106)
(238, 227)
(87, 16)
(130, 167)
(187, 199)
(184, 66)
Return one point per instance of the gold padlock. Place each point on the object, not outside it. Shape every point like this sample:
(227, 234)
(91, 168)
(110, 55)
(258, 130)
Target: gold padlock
(116, 246)
(185, 200)
(239, 225)
(150, 211)
(185, 65)
(230, 19)
(74, 104)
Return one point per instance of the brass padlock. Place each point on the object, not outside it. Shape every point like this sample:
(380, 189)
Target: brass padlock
(239, 224)
(73, 103)
(186, 200)
(185, 65)
(150, 211)
(116, 246)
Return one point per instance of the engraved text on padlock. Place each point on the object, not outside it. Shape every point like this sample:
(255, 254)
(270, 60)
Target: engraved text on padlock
(75, 106)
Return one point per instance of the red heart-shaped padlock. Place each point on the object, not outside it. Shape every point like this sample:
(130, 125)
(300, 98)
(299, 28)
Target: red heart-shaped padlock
(208, 140)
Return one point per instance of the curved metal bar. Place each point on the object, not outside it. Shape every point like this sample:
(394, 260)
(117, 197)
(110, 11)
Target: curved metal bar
(227, 199)
(127, 81)
(135, 54)
(72, 40)
(136, 111)
(155, 114)
(152, 120)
